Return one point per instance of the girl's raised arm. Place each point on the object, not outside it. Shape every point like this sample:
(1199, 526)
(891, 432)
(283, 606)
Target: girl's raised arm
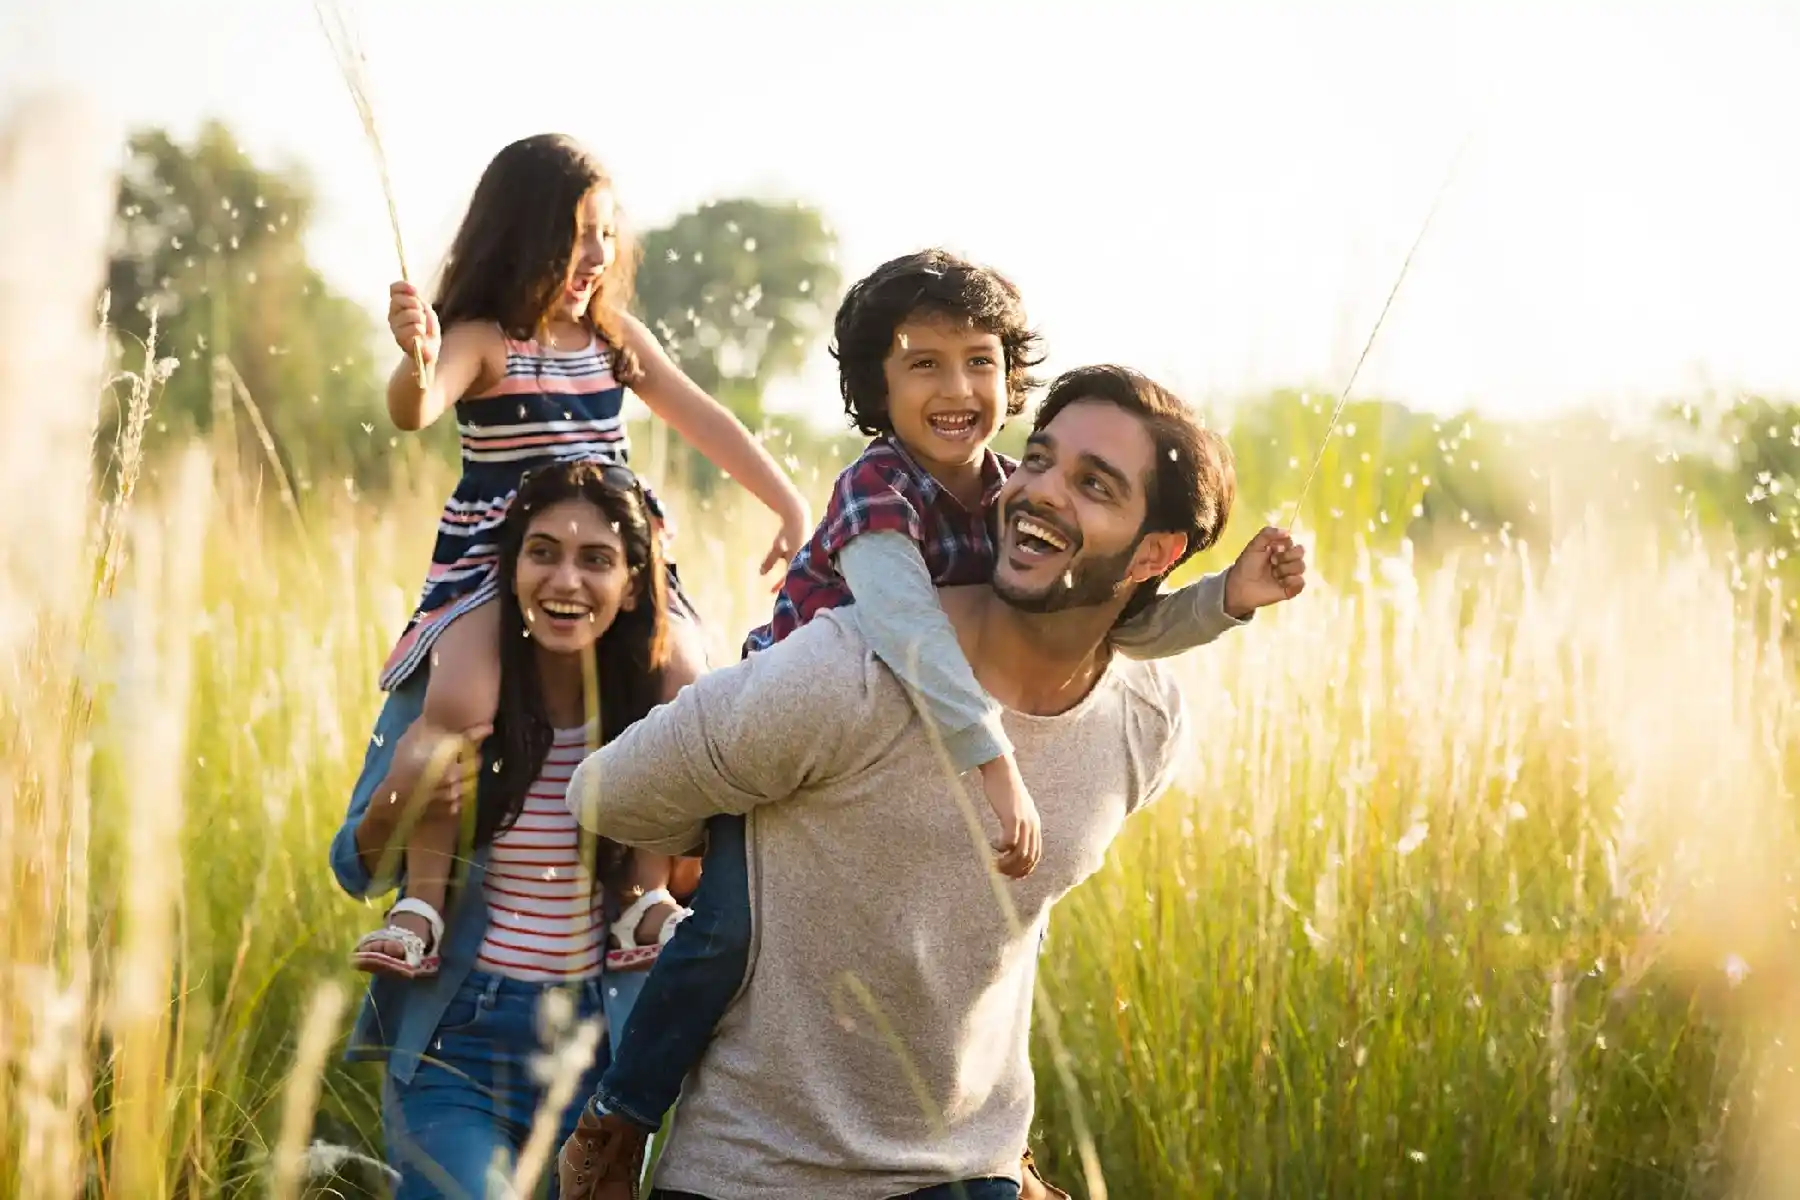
(711, 429)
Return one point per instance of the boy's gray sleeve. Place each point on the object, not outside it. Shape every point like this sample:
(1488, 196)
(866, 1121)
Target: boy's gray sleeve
(898, 610)
(1178, 621)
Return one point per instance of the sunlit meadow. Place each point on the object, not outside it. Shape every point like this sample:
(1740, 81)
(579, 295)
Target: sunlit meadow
(1478, 878)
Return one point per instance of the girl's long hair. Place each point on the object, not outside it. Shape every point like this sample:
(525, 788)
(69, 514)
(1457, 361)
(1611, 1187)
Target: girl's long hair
(629, 656)
(511, 255)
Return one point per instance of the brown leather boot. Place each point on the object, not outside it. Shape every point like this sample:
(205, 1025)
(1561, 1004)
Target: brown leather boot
(1033, 1186)
(603, 1159)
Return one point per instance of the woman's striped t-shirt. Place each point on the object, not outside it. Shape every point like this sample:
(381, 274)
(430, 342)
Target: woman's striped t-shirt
(546, 922)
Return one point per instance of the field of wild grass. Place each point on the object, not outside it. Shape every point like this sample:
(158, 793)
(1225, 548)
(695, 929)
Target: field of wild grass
(1478, 881)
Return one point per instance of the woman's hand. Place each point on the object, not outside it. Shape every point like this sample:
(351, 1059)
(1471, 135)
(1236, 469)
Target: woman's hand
(440, 762)
(431, 767)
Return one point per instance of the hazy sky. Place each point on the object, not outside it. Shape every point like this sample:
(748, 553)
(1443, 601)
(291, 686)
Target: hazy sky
(1219, 194)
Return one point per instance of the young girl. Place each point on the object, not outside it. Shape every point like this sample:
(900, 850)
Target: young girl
(531, 342)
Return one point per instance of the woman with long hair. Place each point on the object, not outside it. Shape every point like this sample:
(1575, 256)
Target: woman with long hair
(530, 345)
(585, 636)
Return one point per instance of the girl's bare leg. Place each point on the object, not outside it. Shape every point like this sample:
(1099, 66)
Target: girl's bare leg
(649, 872)
(461, 696)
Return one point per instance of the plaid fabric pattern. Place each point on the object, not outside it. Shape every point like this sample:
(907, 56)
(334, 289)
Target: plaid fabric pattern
(886, 490)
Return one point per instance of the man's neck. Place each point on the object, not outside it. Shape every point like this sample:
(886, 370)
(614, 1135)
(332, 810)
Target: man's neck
(1037, 663)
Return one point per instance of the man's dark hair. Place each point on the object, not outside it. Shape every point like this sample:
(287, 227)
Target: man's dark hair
(927, 283)
(1194, 481)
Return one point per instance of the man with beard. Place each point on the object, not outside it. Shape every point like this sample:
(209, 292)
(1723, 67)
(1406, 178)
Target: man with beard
(880, 1046)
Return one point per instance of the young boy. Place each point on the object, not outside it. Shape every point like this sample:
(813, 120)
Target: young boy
(934, 355)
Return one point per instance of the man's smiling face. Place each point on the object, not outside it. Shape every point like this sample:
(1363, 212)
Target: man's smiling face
(1072, 516)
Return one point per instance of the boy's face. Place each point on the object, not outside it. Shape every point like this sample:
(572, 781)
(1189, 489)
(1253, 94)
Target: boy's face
(946, 387)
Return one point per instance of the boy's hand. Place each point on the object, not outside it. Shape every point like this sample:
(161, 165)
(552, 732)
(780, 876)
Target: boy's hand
(1272, 568)
(1021, 842)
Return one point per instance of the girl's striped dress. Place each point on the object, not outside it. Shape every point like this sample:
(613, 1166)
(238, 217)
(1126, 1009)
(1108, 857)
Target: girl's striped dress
(552, 406)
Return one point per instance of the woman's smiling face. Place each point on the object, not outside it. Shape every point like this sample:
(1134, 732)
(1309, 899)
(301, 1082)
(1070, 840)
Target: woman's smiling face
(572, 577)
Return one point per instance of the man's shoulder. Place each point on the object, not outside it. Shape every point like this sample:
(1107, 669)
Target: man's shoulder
(830, 647)
(1149, 685)
(1154, 709)
(834, 633)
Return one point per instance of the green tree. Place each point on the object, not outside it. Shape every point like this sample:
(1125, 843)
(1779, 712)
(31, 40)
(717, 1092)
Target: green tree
(1736, 468)
(213, 245)
(739, 291)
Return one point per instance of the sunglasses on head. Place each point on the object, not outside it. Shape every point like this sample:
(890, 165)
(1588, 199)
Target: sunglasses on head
(614, 475)
(619, 476)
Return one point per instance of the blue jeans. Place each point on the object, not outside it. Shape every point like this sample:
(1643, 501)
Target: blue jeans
(968, 1189)
(467, 1110)
(689, 987)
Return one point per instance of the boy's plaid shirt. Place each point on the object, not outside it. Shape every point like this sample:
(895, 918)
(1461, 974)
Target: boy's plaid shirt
(885, 490)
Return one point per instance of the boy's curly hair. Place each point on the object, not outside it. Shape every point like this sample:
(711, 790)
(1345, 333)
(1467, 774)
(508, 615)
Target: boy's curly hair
(928, 282)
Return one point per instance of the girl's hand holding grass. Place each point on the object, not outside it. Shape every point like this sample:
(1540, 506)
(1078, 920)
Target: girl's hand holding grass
(414, 324)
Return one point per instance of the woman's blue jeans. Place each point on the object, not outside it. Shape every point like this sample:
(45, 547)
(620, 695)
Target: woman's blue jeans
(969, 1189)
(465, 1116)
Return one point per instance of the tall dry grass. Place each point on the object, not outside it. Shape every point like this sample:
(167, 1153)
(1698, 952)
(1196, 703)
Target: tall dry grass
(1480, 884)
(55, 208)
(1478, 880)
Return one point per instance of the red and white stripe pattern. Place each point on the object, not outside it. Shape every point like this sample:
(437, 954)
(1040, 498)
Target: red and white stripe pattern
(545, 922)
(551, 406)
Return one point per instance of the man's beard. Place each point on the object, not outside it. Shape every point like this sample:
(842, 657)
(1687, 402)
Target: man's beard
(1089, 582)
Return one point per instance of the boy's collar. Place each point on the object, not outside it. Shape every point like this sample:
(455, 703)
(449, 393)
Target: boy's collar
(993, 471)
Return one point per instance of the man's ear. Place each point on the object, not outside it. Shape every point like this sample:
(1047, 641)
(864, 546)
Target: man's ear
(1156, 556)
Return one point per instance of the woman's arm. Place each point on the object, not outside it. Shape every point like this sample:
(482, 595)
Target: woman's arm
(368, 846)
(711, 429)
(398, 711)
(687, 657)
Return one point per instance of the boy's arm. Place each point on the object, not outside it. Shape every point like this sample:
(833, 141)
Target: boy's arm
(1180, 620)
(897, 607)
(1270, 569)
